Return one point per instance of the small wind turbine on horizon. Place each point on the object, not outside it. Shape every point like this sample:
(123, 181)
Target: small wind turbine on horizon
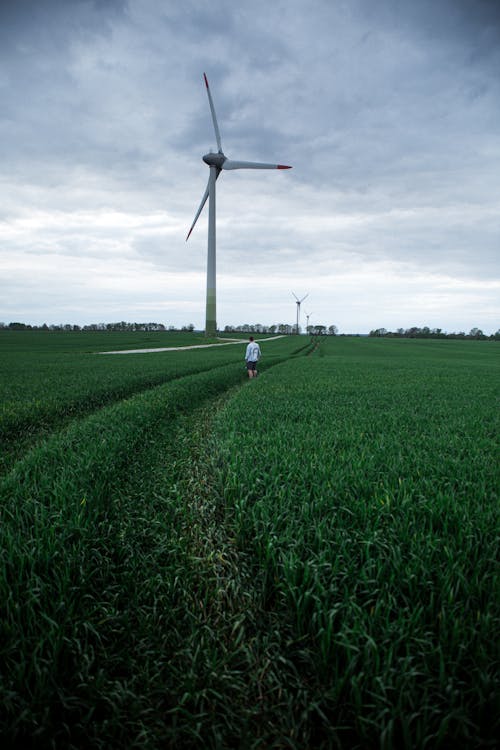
(308, 315)
(217, 162)
(298, 303)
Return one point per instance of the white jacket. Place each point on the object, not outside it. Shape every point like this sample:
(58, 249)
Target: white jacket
(252, 352)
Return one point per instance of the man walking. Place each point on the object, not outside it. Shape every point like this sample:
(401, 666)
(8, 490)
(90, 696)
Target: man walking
(252, 356)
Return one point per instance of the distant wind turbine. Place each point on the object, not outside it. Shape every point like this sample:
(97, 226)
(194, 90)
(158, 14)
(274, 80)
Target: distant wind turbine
(298, 303)
(217, 162)
(308, 315)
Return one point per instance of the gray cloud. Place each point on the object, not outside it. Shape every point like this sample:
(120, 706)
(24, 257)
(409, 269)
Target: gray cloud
(389, 113)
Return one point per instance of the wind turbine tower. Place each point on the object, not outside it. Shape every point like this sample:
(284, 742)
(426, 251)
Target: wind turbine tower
(217, 162)
(308, 315)
(298, 303)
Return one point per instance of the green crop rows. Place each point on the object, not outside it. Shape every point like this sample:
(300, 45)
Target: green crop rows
(306, 560)
(49, 379)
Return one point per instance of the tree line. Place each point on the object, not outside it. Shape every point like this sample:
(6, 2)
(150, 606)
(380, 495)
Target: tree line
(433, 333)
(281, 328)
(121, 326)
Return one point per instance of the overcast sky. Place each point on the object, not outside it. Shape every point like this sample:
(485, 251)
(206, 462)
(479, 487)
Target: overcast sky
(388, 110)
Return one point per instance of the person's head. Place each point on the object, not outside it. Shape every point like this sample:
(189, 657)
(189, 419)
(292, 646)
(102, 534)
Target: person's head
(251, 338)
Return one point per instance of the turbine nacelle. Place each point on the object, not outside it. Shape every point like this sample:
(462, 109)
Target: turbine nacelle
(214, 160)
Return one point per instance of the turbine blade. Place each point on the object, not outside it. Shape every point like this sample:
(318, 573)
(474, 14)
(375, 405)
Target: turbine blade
(295, 296)
(230, 164)
(303, 298)
(203, 201)
(214, 118)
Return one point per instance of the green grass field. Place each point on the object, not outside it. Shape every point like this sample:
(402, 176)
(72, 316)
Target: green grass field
(193, 560)
(49, 379)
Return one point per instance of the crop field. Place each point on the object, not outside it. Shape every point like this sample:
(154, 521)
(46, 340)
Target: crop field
(48, 379)
(190, 559)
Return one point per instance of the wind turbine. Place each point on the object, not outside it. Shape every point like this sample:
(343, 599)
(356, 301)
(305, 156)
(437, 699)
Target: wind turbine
(308, 315)
(298, 303)
(217, 162)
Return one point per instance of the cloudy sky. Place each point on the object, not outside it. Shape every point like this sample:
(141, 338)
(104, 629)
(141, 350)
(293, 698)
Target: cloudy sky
(388, 110)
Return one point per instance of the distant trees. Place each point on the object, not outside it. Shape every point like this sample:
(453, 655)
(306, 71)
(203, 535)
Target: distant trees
(281, 328)
(16, 326)
(320, 330)
(67, 327)
(433, 333)
(123, 326)
(476, 333)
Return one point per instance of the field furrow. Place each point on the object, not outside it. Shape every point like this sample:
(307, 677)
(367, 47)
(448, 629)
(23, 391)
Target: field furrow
(43, 391)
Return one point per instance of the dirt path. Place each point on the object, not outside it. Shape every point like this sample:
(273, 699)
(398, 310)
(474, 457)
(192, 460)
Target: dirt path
(195, 346)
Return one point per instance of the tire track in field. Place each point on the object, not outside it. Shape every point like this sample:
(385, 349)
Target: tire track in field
(225, 602)
(28, 430)
(24, 434)
(250, 644)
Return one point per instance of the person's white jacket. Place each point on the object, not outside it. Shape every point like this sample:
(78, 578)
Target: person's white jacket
(252, 352)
